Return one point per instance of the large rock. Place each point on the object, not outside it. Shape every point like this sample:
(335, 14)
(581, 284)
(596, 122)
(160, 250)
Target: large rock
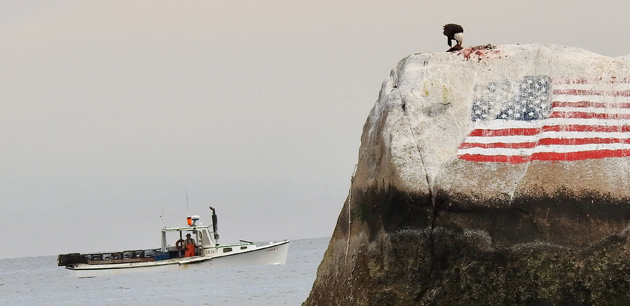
(489, 176)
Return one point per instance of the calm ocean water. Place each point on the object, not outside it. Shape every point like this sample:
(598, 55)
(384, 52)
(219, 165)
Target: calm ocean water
(39, 281)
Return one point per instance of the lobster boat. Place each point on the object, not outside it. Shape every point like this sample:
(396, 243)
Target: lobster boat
(200, 250)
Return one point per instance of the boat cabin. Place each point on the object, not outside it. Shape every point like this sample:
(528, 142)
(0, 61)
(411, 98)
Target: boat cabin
(203, 236)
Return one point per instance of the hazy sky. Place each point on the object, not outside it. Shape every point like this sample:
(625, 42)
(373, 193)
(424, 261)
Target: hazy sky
(111, 110)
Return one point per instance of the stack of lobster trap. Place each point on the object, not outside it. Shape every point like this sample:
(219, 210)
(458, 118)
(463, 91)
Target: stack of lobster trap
(117, 257)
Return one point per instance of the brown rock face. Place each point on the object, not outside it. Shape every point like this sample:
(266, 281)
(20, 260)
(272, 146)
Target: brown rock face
(489, 176)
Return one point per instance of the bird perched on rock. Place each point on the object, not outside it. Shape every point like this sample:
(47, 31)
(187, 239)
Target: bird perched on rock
(456, 32)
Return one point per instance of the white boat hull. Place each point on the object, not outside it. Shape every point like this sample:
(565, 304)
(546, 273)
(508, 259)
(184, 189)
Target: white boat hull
(271, 254)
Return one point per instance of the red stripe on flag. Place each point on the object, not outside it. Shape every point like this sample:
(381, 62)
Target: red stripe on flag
(589, 104)
(587, 128)
(495, 158)
(543, 142)
(587, 92)
(580, 155)
(550, 156)
(611, 80)
(584, 115)
(505, 132)
(503, 145)
(580, 141)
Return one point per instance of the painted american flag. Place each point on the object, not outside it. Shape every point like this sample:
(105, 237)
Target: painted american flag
(538, 118)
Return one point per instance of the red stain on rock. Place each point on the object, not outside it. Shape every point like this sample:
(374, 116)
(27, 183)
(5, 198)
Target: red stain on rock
(483, 51)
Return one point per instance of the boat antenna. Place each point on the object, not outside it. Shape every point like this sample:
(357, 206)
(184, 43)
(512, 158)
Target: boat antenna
(162, 217)
(187, 207)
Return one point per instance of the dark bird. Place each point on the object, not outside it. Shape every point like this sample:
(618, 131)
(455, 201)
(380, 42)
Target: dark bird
(454, 31)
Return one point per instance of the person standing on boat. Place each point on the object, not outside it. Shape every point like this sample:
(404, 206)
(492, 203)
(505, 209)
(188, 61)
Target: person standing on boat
(190, 246)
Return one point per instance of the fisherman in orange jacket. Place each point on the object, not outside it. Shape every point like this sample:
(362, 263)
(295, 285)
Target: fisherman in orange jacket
(190, 246)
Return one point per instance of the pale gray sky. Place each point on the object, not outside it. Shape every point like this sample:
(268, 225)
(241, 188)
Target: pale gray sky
(111, 110)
